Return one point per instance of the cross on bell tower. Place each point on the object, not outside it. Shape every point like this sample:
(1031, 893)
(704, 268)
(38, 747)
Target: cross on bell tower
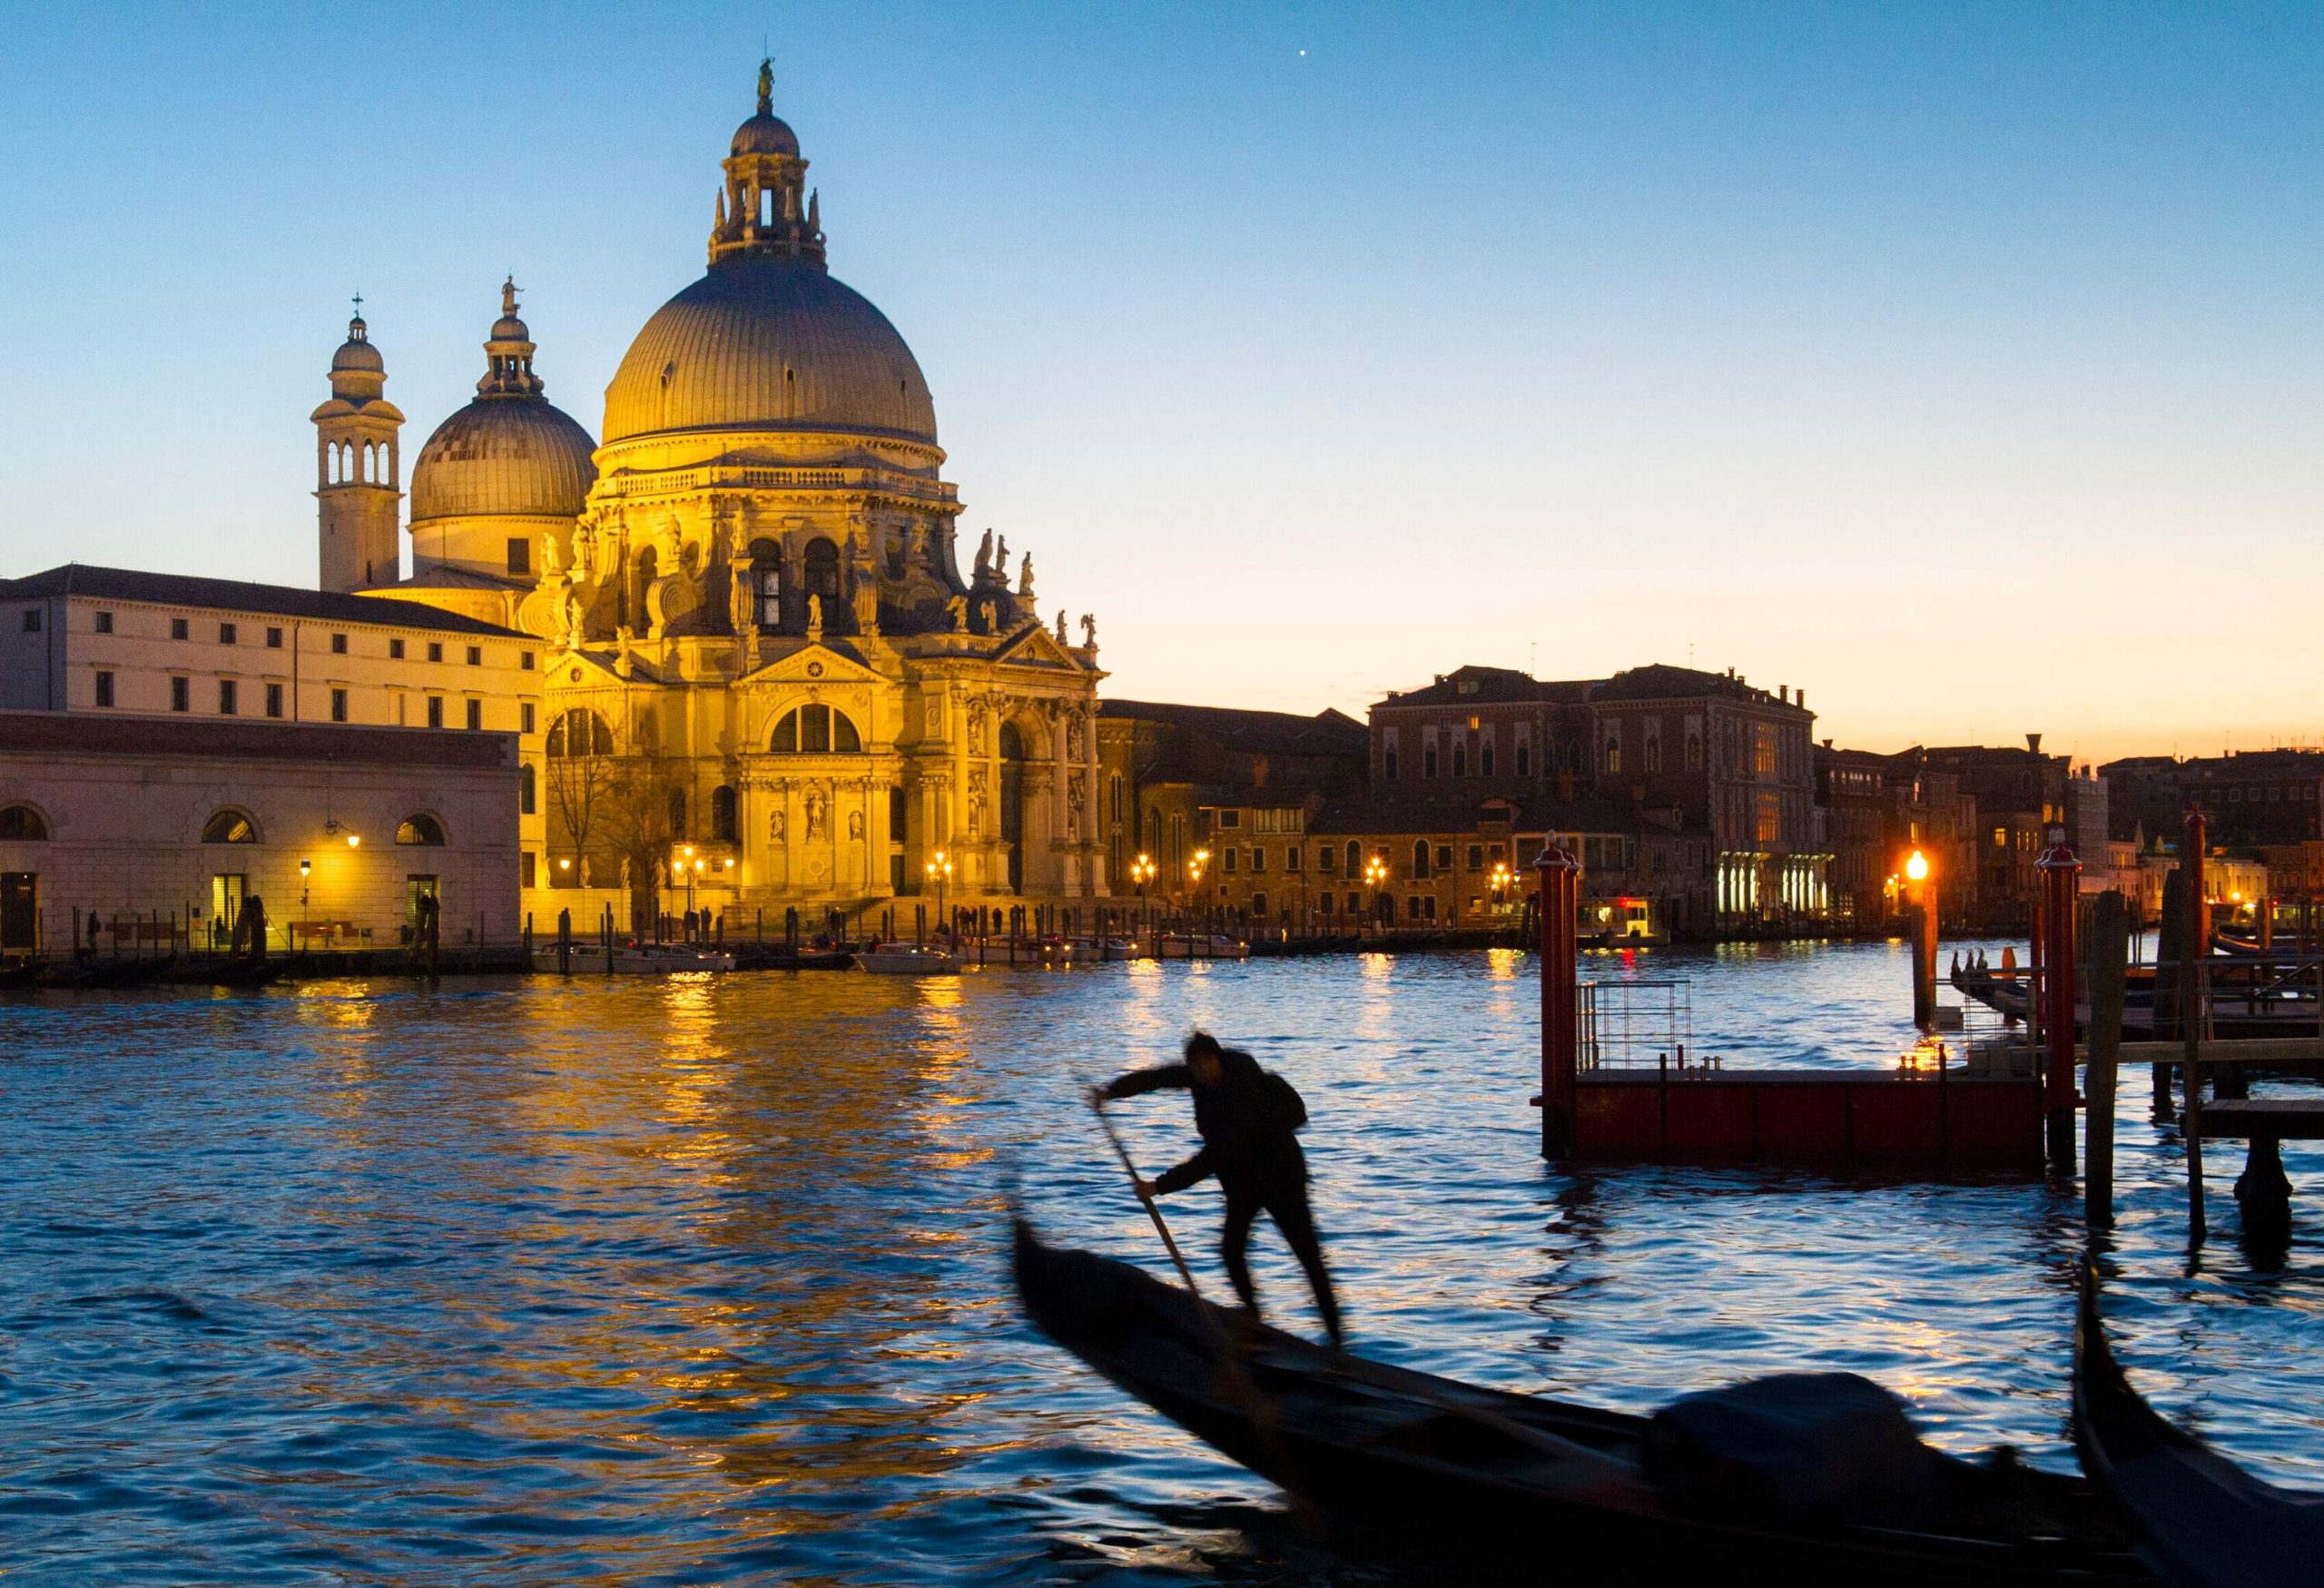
(356, 468)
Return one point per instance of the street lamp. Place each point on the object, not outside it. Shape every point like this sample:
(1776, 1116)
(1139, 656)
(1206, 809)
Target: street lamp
(1501, 881)
(306, 870)
(1922, 900)
(1376, 877)
(939, 871)
(1141, 871)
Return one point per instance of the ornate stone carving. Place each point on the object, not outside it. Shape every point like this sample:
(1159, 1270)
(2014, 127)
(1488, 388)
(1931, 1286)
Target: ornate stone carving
(1024, 581)
(976, 727)
(814, 617)
(778, 823)
(818, 809)
(1088, 631)
(1077, 801)
(977, 795)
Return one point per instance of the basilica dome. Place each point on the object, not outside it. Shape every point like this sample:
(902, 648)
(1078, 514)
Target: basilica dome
(496, 456)
(769, 341)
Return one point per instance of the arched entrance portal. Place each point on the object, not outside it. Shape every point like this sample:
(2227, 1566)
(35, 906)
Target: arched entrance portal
(1012, 803)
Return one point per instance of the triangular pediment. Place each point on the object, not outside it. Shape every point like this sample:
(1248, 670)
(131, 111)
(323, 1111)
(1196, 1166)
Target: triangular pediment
(585, 669)
(1037, 647)
(812, 663)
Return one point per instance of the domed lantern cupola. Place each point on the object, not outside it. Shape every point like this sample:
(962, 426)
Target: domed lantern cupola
(508, 355)
(357, 467)
(762, 211)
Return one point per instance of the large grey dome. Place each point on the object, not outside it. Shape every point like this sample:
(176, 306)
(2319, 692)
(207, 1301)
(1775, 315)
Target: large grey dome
(769, 343)
(519, 456)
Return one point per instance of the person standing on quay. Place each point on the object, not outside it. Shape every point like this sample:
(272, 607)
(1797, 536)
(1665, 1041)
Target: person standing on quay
(1247, 1117)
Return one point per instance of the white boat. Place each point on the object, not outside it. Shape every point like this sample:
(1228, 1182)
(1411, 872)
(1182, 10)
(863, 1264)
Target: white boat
(1090, 950)
(1182, 946)
(633, 959)
(897, 959)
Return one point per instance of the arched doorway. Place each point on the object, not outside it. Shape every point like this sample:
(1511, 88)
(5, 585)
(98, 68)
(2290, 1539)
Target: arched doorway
(1012, 803)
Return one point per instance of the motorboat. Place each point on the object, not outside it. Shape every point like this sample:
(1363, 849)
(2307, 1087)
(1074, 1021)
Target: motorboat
(903, 959)
(1179, 945)
(633, 959)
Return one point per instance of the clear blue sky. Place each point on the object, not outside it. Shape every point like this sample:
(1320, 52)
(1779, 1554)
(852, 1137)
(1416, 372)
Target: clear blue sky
(1958, 364)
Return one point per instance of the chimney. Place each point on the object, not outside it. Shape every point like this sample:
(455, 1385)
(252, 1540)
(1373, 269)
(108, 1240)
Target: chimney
(1799, 699)
(1783, 693)
(2034, 744)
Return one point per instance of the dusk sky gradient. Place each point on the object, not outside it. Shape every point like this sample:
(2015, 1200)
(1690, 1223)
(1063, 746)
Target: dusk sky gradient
(1960, 365)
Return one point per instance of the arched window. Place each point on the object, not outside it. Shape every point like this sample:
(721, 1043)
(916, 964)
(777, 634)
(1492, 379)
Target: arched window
(580, 732)
(22, 824)
(722, 814)
(1613, 753)
(1420, 857)
(527, 790)
(766, 584)
(230, 826)
(419, 827)
(821, 569)
(815, 730)
(1355, 858)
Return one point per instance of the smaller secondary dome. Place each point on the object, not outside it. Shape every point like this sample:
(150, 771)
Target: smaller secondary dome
(509, 329)
(517, 457)
(766, 133)
(357, 351)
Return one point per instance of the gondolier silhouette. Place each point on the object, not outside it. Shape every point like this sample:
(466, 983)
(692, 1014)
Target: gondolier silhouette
(1247, 1117)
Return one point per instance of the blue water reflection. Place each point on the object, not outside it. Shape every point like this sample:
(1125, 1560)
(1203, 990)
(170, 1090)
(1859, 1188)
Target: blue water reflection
(702, 1281)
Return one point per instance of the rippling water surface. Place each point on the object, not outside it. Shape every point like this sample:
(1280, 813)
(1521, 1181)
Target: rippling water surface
(703, 1281)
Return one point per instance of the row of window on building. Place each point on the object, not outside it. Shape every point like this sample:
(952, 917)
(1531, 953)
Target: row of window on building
(230, 701)
(26, 824)
(230, 634)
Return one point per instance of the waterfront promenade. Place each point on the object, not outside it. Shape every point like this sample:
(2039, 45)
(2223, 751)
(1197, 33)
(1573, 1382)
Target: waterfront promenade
(511, 1280)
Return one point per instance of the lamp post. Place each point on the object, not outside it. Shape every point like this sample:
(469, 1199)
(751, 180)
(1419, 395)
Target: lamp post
(939, 871)
(1376, 877)
(1141, 871)
(306, 871)
(1194, 869)
(1923, 900)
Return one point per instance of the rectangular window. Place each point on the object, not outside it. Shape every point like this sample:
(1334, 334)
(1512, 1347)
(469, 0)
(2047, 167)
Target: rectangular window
(529, 877)
(476, 715)
(475, 656)
(435, 650)
(32, 620)
(524, 660)
(435, 711)
(525, 716)
(274, 637)
(1326, 858)
(1388, 766)
(228, 697)
(1258, 860)
(1291, 858)
(395, 650)
(1485, 761)
(339, 645)
(520, 555)
(339, 704)
(104, 689)
(1428, 760)
(180, 694)
(1476, 857)
(1524, 761)
(1445, 857)
(178, 629)
(105, 623)
(1230, 818)
(274, 700)
(226, 633)
(1227, 860)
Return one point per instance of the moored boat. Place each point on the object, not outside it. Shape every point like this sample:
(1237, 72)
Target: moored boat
(633, 959)
(899, 959)
(2202, 1521)
(1179, 945)
(1613, 1498)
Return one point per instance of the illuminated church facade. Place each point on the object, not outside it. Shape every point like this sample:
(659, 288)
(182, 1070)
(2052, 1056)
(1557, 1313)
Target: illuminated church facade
(763, 668)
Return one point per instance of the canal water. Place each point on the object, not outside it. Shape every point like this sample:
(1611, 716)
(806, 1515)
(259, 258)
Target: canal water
(703, 1281)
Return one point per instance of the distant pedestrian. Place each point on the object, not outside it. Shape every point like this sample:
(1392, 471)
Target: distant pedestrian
(1247, 1117)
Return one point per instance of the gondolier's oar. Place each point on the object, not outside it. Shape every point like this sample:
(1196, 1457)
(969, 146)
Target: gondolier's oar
(1098, 1107)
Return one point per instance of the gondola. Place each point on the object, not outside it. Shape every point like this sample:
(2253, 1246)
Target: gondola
(1523, 1480)
(2200, 1520)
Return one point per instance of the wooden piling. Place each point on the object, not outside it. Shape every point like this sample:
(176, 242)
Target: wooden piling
(1561, 877)
(2192, 1020)
(2169, 958)
(2110, 943)
(2060, 872)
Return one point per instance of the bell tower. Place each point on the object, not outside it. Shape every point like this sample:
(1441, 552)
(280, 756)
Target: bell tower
(358, 466)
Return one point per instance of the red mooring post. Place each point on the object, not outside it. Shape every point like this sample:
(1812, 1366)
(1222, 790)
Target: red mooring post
(1561, 877)
(2060, 886)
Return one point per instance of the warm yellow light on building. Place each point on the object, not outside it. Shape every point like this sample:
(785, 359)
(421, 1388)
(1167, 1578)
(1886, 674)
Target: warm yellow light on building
(354, 840)
(1916, 867)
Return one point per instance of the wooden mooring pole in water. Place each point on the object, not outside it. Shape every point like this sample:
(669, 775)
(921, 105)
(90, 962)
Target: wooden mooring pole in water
(2110, 952)
(2061, 876)
(2192, 1019)
(1561, 877)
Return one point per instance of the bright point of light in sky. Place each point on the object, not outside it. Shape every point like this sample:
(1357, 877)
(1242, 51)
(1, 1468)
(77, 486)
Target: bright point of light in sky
(1958, 367)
